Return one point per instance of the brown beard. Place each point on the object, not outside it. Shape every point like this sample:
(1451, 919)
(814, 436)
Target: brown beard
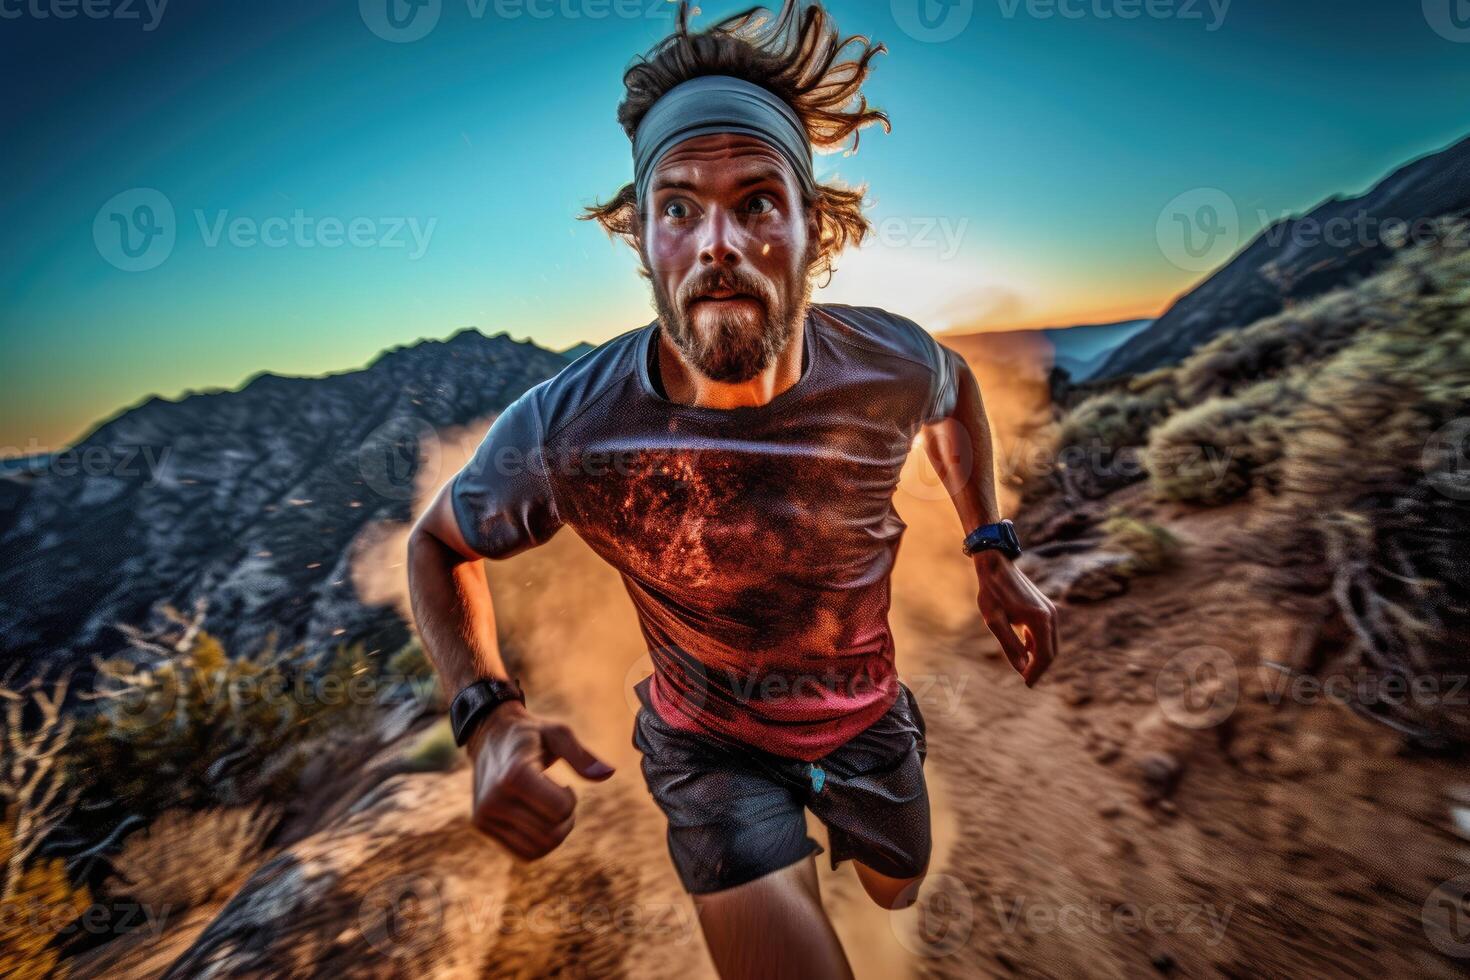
(737, 348)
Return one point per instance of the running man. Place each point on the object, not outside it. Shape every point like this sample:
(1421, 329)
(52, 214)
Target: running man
(735, 460)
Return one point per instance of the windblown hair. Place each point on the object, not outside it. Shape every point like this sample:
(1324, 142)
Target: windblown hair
(793, 54)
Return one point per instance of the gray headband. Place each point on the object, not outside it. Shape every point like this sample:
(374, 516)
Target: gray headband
(719, 104)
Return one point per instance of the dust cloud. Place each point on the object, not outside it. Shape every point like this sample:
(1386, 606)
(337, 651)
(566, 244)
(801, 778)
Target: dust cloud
(568, 630)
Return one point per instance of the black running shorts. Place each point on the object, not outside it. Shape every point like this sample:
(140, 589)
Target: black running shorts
(736, 813)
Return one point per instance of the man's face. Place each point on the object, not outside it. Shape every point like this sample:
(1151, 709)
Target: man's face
(726, 242)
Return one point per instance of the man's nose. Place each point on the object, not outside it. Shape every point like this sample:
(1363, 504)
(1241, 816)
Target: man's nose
(722, 237)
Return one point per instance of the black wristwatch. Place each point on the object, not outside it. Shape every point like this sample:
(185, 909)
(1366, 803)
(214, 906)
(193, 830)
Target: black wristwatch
(1000, 536)
(478, 700)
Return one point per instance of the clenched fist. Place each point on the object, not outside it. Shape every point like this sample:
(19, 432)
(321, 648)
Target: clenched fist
(1022, 618)
(514, 800)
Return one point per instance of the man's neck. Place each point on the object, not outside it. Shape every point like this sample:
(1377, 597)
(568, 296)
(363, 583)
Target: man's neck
(684, 385)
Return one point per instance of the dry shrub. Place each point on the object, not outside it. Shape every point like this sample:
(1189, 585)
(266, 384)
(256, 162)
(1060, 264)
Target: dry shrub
(1350, 417)
(1097, 444)
(187, 857)
(1218, 450)
(37, 903)
(196, 727)
(1373, 480)
(1278, 344)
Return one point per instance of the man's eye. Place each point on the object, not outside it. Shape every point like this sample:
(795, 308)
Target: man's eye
(761, 204)
(676, 209)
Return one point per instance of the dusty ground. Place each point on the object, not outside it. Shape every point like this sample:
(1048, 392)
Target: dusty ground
(1093, 826)
(1079, 830)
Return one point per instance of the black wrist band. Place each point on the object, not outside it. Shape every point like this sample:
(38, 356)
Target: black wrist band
(1000, 536)
(476, 701)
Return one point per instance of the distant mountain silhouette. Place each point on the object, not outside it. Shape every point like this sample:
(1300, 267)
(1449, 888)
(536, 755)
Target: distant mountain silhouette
(1298, 258)
(250, 499)
(578, 349)
(1078, 350)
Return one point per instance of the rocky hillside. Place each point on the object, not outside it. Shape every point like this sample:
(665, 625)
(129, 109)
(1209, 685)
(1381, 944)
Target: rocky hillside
(1335, 244)
(250, 500)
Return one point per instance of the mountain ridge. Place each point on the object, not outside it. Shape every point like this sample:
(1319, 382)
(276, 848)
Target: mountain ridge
(248, 499)
(1275, 268)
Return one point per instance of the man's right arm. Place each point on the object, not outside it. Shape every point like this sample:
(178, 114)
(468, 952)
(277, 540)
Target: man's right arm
(513, 801)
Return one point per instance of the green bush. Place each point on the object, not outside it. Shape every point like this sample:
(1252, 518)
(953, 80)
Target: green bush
(434, 750)
(411, 666)
(1150, 548)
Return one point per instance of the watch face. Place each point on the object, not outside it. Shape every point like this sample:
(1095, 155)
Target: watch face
(994, 537)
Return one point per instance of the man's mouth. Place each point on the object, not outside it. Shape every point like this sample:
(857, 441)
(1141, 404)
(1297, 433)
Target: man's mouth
(725, 296)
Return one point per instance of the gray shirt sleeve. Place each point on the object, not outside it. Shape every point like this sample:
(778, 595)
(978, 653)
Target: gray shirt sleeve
(946, 381)
(943, 364)
(502, 498)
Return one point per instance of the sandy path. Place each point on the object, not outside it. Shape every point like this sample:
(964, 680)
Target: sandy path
(1287, 839)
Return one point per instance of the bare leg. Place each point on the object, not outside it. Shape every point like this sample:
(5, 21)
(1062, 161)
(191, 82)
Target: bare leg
(890, 893)
(773, 928)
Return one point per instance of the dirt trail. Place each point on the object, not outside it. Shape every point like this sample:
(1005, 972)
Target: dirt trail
(1079, 830)
(1293, 840)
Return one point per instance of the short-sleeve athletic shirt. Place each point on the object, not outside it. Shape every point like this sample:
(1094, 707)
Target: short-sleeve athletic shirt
(756, 543)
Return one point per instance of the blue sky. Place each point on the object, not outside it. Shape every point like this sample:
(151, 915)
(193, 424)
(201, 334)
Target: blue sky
(334, 192)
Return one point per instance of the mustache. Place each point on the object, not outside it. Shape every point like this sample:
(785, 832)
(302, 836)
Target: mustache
(733, 280)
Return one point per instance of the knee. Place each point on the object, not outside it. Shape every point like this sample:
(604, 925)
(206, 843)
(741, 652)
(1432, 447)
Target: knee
(893, 894)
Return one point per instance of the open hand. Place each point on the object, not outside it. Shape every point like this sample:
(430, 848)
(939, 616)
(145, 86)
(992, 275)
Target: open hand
(514, 801)
(1022, 618)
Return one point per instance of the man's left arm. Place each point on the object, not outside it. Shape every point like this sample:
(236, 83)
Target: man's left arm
(1023, 619)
